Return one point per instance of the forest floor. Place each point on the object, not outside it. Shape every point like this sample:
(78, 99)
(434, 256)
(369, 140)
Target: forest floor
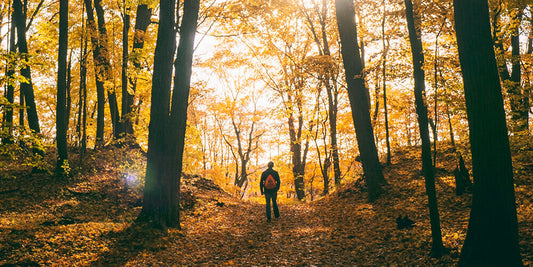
(89, 221)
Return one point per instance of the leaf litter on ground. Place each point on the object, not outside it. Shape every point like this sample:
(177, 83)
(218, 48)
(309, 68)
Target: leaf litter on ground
(89, 221)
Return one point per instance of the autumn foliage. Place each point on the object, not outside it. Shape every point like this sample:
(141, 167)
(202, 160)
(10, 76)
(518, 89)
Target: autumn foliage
(89, 220)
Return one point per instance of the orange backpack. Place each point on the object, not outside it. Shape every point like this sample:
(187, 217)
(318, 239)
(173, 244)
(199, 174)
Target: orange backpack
(270, 182)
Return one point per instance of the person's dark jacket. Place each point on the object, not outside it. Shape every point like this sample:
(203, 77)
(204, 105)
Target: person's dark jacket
(264, 175)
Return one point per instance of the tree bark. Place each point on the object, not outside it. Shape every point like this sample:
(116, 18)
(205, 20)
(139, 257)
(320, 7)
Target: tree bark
(99, 74)
(492, 235)
(142, 21)
(167, 127)
(358, 95)
(126, 96)
(61, 106)
(10, 89)
(105, 65)
(26, 87)
(518, 99)
(385, 43)
(437, 248)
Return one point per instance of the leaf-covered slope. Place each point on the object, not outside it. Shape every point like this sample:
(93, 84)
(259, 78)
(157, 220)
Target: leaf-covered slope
(89, 222)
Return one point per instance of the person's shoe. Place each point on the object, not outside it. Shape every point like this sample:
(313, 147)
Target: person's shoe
(268, 220)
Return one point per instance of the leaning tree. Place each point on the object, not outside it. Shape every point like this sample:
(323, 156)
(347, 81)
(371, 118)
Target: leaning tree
(492, 235)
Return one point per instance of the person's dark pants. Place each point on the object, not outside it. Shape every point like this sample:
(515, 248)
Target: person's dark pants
(271, 195)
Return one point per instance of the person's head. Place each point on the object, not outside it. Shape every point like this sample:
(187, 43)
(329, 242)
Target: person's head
(270, 165)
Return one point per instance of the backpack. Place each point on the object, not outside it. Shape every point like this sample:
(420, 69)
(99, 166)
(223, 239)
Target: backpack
(270, 183)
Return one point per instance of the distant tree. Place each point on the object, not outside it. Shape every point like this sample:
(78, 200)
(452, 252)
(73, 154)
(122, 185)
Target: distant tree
(104, 67)
(81, 126)
(437, 248)
(492, 235)
(167, 125)
(130, 74)
(327, 76)
(99, 75)
(245, 134)
(142, 21)
(385, 40)
(127, 98)
(61, 106)
(518, 95)
(358, 95)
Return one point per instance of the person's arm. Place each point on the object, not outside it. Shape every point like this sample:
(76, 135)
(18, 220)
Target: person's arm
(262, 184)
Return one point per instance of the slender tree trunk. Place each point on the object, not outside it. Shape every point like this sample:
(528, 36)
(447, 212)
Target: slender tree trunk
(83, 93)
(450, 127)
(105, 65)
(298, 164)
(68, 103)
(518, 99)
(492, 235)
(61, 106)
(10, 89)
(142, 21)
(99, 74)
(22, 109)
(384, 74)
(358, 95)
(125, 81)
(437, 248)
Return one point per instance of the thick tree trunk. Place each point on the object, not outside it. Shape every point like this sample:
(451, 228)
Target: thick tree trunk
(437, 248)
(61, 106)
(358, 95)
(492, 235)
(167, 133)
(158, 202)
(26, 87)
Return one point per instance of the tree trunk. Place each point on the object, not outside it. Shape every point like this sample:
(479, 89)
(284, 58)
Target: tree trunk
(99, 74)
(83, 95)
(26, 87)
(518, 100)
(298, 165)
(61, 106)
(142, 21)
(437, 248)
(105, 65)
(384, 74)
(10, 89)
(358, 95)
(167, 133)
(492, 235)
(160, 204)
(126, 99)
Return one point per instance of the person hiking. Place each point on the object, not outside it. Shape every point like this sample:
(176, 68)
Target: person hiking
(269, 185)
